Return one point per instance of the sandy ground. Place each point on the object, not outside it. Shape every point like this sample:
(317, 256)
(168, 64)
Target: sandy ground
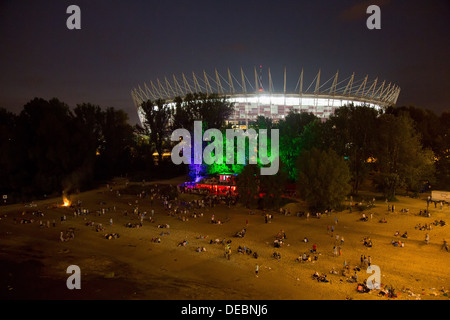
(33, 261)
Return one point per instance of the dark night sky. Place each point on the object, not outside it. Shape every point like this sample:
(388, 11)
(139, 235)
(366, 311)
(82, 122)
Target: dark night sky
(123, 44)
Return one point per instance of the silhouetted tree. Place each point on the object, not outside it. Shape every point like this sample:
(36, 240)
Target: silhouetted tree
(157, 115)
(400, 157)
(352, 134)
(323, 180)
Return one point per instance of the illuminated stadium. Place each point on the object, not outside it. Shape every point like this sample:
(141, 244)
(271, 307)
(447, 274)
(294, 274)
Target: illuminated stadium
(257, 96)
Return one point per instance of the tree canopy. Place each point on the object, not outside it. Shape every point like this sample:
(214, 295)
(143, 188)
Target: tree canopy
(323, 180)
(49, 147)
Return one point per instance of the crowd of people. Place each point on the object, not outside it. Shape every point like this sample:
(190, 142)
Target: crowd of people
(183, 210)
(68, 235)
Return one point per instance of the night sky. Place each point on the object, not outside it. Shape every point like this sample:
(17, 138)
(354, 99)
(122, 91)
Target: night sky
(123, 44)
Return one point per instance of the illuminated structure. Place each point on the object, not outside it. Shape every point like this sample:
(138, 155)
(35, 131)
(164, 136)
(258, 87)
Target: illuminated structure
(251, 99)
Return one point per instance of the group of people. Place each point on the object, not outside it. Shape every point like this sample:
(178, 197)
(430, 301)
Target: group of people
(268, 218)
(337, 251)
(439, 223)
(404, 235)
(306, 258)
(398, 243)
(182, 243)
(365, 261)
(241, 233)
(367, 242)
(68, 235)
(320, 277)
(213, 197)
(279, 239)
(423, 227)
(112, 235)
(276, 255)
(382, 220)
(200, 249)
(133, 225)
(248, 251)
(214, 220)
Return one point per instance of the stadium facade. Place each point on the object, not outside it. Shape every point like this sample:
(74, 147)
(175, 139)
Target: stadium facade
(252, 99)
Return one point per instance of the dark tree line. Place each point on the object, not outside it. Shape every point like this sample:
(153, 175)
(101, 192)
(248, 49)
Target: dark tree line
(400, 148)
(161, 118)
(48, 148)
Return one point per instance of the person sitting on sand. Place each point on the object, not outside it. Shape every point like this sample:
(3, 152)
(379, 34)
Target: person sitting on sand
(362, 288)
(323, 278)
(384, 291)
(398, 243)
(110, 236)
(368, 242)
(276, 255)
(333, 271)
(305, 257)
(216, 241)
(241, 234)
(182, 244)
(277, 243)
(353, 279)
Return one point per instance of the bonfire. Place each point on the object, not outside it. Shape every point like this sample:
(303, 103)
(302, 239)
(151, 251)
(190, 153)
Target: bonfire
(66, 201)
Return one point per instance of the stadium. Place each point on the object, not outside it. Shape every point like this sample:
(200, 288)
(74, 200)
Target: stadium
(259, 96)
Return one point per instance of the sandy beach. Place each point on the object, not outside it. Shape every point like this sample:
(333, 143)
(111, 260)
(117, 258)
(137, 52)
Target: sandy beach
(34, 261)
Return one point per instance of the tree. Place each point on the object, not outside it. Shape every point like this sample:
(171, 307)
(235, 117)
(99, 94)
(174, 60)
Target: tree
(9, 163)
(443, 154)
(323, 180)
(46, 129)
(211, 109)
(87, 137)
(273, 187)
(263, 123)
(248, 186)
(291, 130)
(400, 158)
(117, 138)
(157, 116)
(352, 134)
(426, 123)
